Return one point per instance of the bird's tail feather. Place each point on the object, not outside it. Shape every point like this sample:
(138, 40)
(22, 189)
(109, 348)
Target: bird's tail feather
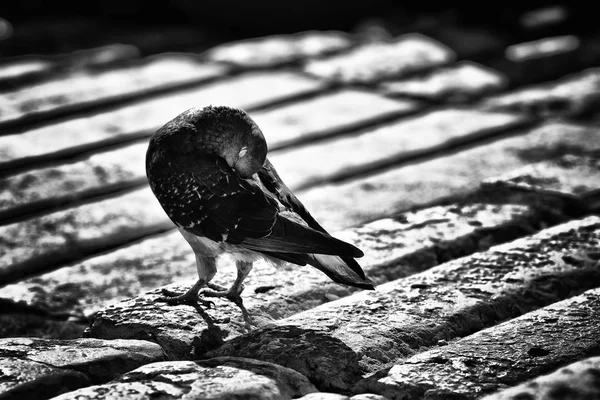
(340, 270)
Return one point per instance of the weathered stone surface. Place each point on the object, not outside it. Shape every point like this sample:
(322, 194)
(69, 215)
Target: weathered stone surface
(77, 89)
(546, 59)
(393, 248)
(451, 300)
(34, 68)
(269, 51)
(504, 355)
(34, 380)
(143, 117)
(382, 60)
(324, 396)
(44, 368)
(368, 396)
(60, 184)
(390, 191)
(19, 69)
(345, 157)
(115, 168)
(330, 113)
(576, 381)
(336, 396)
(325, 360)
(39, 244)
(573, 177)
(543, 48)
(544, 16)
(20, 320)
(220, 378)
(573, 96)
(461, 82)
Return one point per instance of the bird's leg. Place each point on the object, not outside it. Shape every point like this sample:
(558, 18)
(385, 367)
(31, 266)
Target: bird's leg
(207, 268)
(234, 292)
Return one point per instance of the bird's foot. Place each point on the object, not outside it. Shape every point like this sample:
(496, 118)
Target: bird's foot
(232, 294)
(191, 297)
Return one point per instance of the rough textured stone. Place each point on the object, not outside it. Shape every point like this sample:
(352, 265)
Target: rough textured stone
(543, 48)
(387, 192)
(77, 89)
(42, 243)
(546, 59)
(573, 177)
(382, 60)
(325, 115)
(269, 51)
(506, 354)
(324, 396)
(461, 82)
(325, 360)
(125, 166)
(224, 378)
(34, 68)
(576, 381)
(142, 118)
(44, 368)
(348, 156)
(393, 248)
(368, 396)
(33, 380)
(60, 184)
(573, 96)
(451, 300)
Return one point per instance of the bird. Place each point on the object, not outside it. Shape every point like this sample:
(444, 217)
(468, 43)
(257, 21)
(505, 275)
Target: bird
(208, 169)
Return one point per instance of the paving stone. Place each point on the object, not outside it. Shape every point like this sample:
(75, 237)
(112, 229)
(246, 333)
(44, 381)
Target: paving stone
(547, 58)
(573, 177)
(336, 396)
(38, 244)
(391, 143)
(41, 368)
(143, 117)
(455, 299)
(80, 89)
(24, 70)
(220, 378)
(324, 396)
(458, 83)
(325, 115)
(574, 96)
(382, 60)
(576, 381)
(33, 380)
(504, 355)
(59, 184)
(115, 168)
(272, 50)
(456, 174)
(394, 248)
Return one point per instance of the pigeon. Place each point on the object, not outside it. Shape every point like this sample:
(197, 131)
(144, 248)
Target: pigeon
(208, 169)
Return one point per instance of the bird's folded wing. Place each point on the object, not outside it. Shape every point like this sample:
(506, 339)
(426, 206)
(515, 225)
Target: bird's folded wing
(207, 198)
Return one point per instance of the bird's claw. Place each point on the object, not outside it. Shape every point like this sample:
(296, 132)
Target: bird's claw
(174, 298)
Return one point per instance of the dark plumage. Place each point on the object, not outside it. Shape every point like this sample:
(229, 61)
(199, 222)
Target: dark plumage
(208, 169)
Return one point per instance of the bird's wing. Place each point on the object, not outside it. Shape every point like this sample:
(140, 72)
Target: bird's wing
(272, 182)
(208, 198)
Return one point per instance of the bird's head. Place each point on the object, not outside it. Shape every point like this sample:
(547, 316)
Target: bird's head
(223, 131)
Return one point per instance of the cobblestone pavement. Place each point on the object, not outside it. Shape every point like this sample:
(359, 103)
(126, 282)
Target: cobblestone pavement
(470, 179)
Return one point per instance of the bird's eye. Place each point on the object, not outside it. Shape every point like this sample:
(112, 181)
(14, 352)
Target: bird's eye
(243, 152)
